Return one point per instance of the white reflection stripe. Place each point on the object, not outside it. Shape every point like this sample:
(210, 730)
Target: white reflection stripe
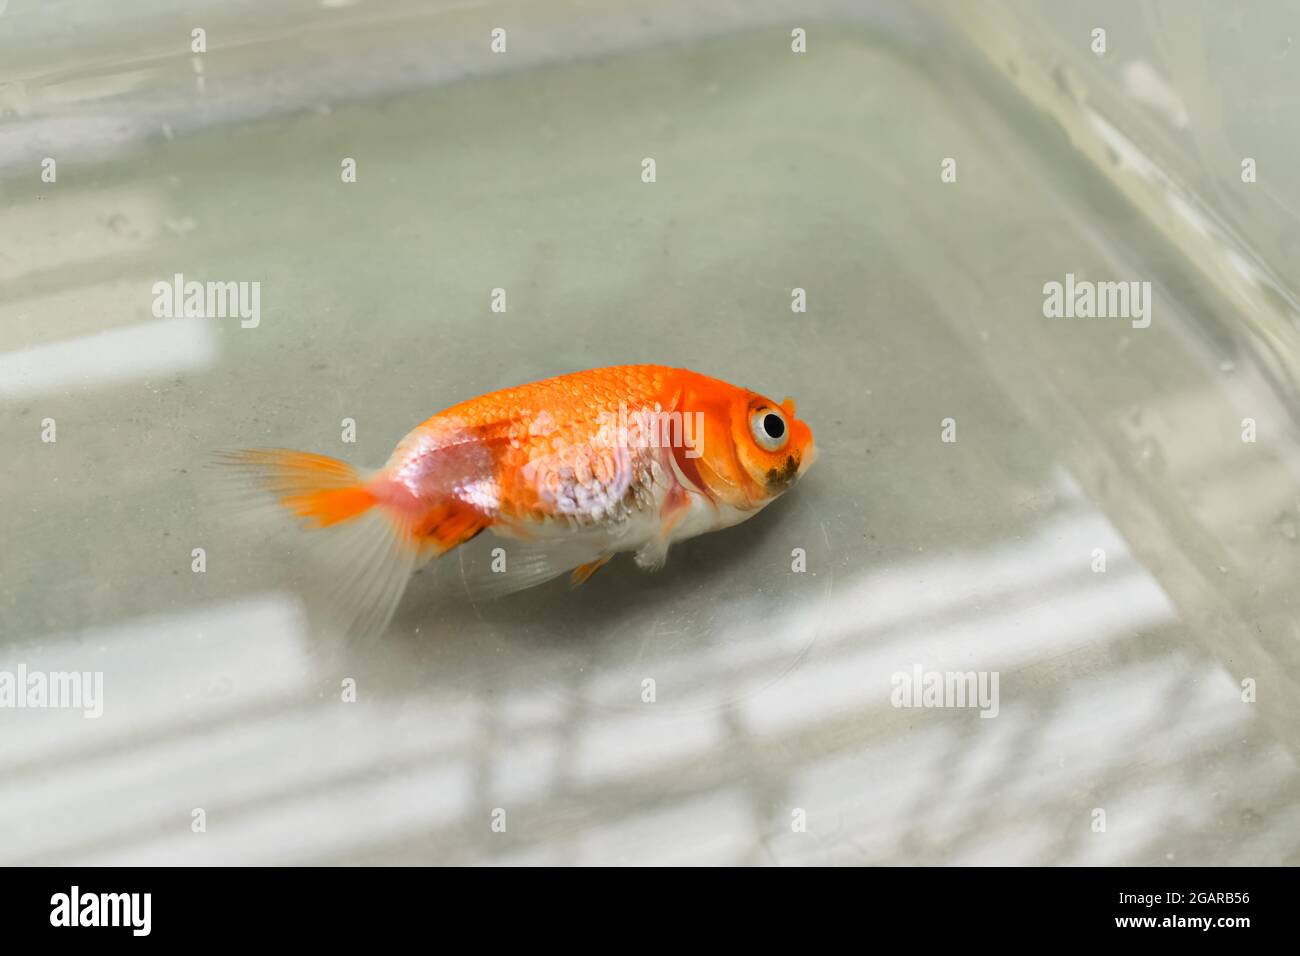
(115, 355)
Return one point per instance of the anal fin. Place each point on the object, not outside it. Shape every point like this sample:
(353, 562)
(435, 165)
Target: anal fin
(447, 525)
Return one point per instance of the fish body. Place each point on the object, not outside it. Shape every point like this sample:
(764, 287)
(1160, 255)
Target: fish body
(571, 470)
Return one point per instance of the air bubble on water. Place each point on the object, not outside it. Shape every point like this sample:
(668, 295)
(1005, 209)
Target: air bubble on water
(1151, 454)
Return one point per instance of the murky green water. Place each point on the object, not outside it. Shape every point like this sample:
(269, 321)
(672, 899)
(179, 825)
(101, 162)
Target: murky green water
(1119, 690)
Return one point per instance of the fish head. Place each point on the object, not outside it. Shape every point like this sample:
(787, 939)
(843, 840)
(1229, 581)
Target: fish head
(755, 449)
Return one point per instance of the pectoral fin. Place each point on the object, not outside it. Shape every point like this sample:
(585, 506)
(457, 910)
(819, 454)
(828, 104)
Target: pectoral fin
(654, 553)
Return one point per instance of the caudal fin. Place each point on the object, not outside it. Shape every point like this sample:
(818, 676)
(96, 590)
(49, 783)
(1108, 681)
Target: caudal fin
(322, 490)
(370, 550)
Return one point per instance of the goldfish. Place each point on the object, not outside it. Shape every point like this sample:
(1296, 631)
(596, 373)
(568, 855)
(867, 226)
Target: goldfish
(570, 471)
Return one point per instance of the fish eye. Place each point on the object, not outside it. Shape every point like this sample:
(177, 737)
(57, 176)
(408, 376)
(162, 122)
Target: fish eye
(768, 428)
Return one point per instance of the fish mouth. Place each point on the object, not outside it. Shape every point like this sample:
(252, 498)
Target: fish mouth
(778, 480)
(809, 456)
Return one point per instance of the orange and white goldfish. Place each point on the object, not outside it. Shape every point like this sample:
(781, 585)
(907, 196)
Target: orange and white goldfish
(574, 469)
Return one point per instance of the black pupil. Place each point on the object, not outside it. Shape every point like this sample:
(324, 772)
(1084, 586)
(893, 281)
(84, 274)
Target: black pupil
(773, 425)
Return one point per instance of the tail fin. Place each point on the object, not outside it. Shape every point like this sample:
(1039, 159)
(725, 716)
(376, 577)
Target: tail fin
(370, 551)
(320, 489)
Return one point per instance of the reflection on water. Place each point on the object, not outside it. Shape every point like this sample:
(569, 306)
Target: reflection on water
(1120, 690)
